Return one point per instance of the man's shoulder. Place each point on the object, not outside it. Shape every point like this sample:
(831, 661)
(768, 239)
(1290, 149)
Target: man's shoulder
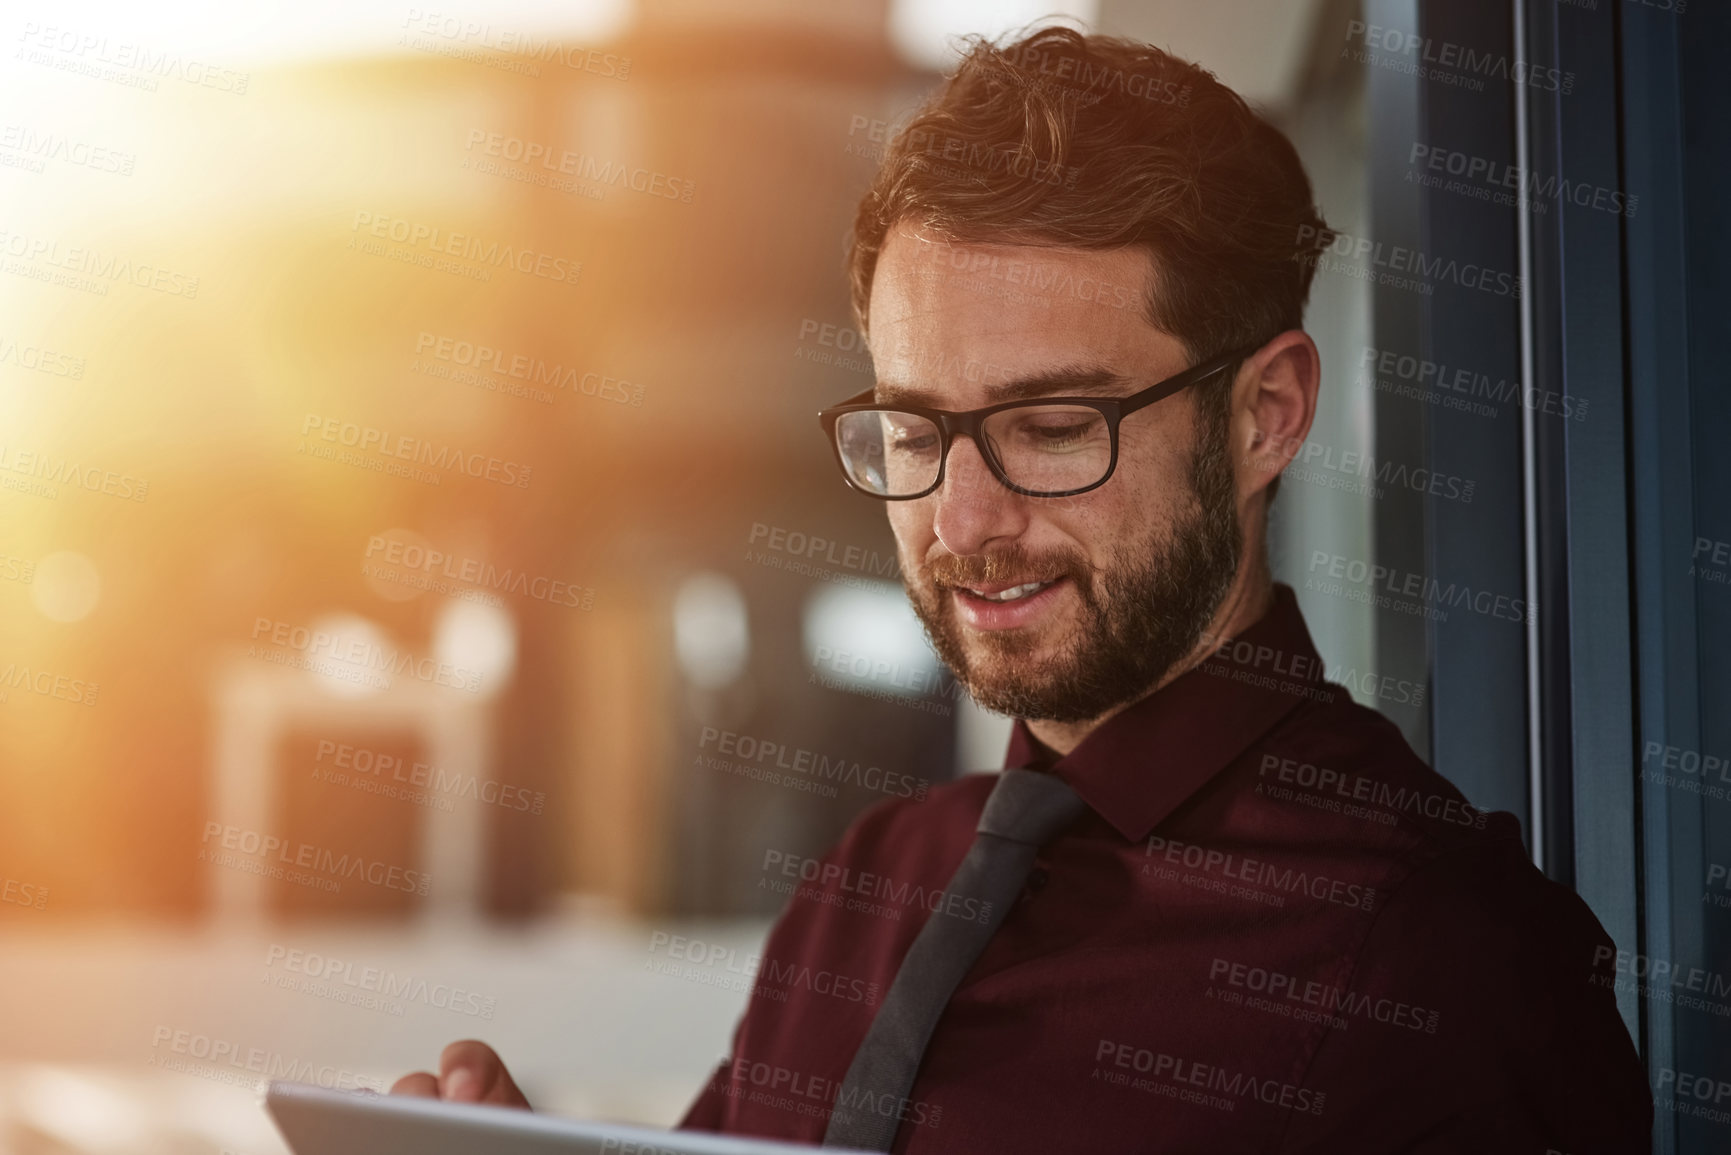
(1361, 763)
(1511, 955)
(1467, 906)
(1470, 868)
(1451, 863)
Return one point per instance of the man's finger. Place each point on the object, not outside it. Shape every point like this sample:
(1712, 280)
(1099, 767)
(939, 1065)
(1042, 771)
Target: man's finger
(420, 1084)
(472, 1072)
(467, 1071)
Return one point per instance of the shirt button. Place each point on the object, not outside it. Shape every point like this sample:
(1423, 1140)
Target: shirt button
(1038, 879)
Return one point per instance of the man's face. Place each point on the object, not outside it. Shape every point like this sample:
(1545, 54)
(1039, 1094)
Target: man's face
(1052, 608)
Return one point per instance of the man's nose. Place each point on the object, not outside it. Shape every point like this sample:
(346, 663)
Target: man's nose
(973, 508)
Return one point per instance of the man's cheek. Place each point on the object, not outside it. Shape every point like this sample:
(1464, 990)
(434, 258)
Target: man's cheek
(911, 523)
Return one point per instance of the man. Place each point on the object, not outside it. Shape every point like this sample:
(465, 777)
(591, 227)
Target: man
(1212, 905)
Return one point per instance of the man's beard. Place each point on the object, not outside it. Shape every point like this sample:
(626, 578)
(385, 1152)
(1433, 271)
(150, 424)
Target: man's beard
(1142, 613)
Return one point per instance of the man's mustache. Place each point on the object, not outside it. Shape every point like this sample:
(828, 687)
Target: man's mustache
(1012, 564)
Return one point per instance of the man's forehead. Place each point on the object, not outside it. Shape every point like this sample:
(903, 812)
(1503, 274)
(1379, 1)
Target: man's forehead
(949, 314)
(1039, 266)
(925, 287)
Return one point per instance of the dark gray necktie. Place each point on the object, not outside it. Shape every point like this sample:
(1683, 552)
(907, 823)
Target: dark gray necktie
(1025, 810)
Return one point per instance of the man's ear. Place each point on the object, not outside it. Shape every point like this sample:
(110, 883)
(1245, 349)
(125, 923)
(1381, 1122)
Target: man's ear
(1273, 404)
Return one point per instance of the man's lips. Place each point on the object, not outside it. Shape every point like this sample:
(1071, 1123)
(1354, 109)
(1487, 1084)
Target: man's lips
(997, 589)
(997, 613)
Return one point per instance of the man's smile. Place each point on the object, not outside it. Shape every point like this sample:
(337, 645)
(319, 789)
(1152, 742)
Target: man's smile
(1007, 605)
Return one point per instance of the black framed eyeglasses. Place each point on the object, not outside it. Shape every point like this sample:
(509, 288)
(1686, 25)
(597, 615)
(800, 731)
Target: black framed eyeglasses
(1041, 447)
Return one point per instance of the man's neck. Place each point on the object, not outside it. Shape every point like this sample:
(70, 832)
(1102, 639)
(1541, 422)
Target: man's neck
(1249, 598)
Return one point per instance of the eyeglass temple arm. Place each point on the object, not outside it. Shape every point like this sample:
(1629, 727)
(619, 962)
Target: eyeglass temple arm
(1160, 392)
(1192, 376)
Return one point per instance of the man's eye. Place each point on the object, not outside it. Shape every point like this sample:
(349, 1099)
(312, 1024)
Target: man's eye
(1061, 432)
(914, 443)
(1057, 436)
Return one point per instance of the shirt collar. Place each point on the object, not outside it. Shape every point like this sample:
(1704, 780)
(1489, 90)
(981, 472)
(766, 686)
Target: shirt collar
(1146, 760)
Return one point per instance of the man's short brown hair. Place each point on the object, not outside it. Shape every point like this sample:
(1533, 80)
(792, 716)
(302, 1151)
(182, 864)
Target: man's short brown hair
(1099, 143)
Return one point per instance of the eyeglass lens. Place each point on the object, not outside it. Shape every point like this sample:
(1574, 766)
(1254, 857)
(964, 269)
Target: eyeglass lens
(1039, 448)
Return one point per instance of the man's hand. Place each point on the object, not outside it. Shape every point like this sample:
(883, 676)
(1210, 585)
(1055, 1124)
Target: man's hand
(469, 1072)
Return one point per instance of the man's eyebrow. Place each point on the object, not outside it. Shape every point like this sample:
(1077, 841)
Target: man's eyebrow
(1090, 380)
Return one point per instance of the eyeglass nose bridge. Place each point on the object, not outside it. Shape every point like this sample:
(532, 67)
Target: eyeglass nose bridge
(971, 426)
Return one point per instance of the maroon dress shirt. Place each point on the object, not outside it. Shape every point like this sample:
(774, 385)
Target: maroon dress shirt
(1274, 930)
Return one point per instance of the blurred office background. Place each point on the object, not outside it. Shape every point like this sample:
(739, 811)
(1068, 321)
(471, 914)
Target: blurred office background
(289, 697)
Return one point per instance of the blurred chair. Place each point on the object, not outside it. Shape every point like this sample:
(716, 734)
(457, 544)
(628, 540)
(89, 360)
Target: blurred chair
(256, 706)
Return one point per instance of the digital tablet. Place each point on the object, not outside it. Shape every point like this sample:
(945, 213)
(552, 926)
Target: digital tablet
(317, 1121)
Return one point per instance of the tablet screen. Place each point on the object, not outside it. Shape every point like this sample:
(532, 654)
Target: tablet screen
(317, 1121)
